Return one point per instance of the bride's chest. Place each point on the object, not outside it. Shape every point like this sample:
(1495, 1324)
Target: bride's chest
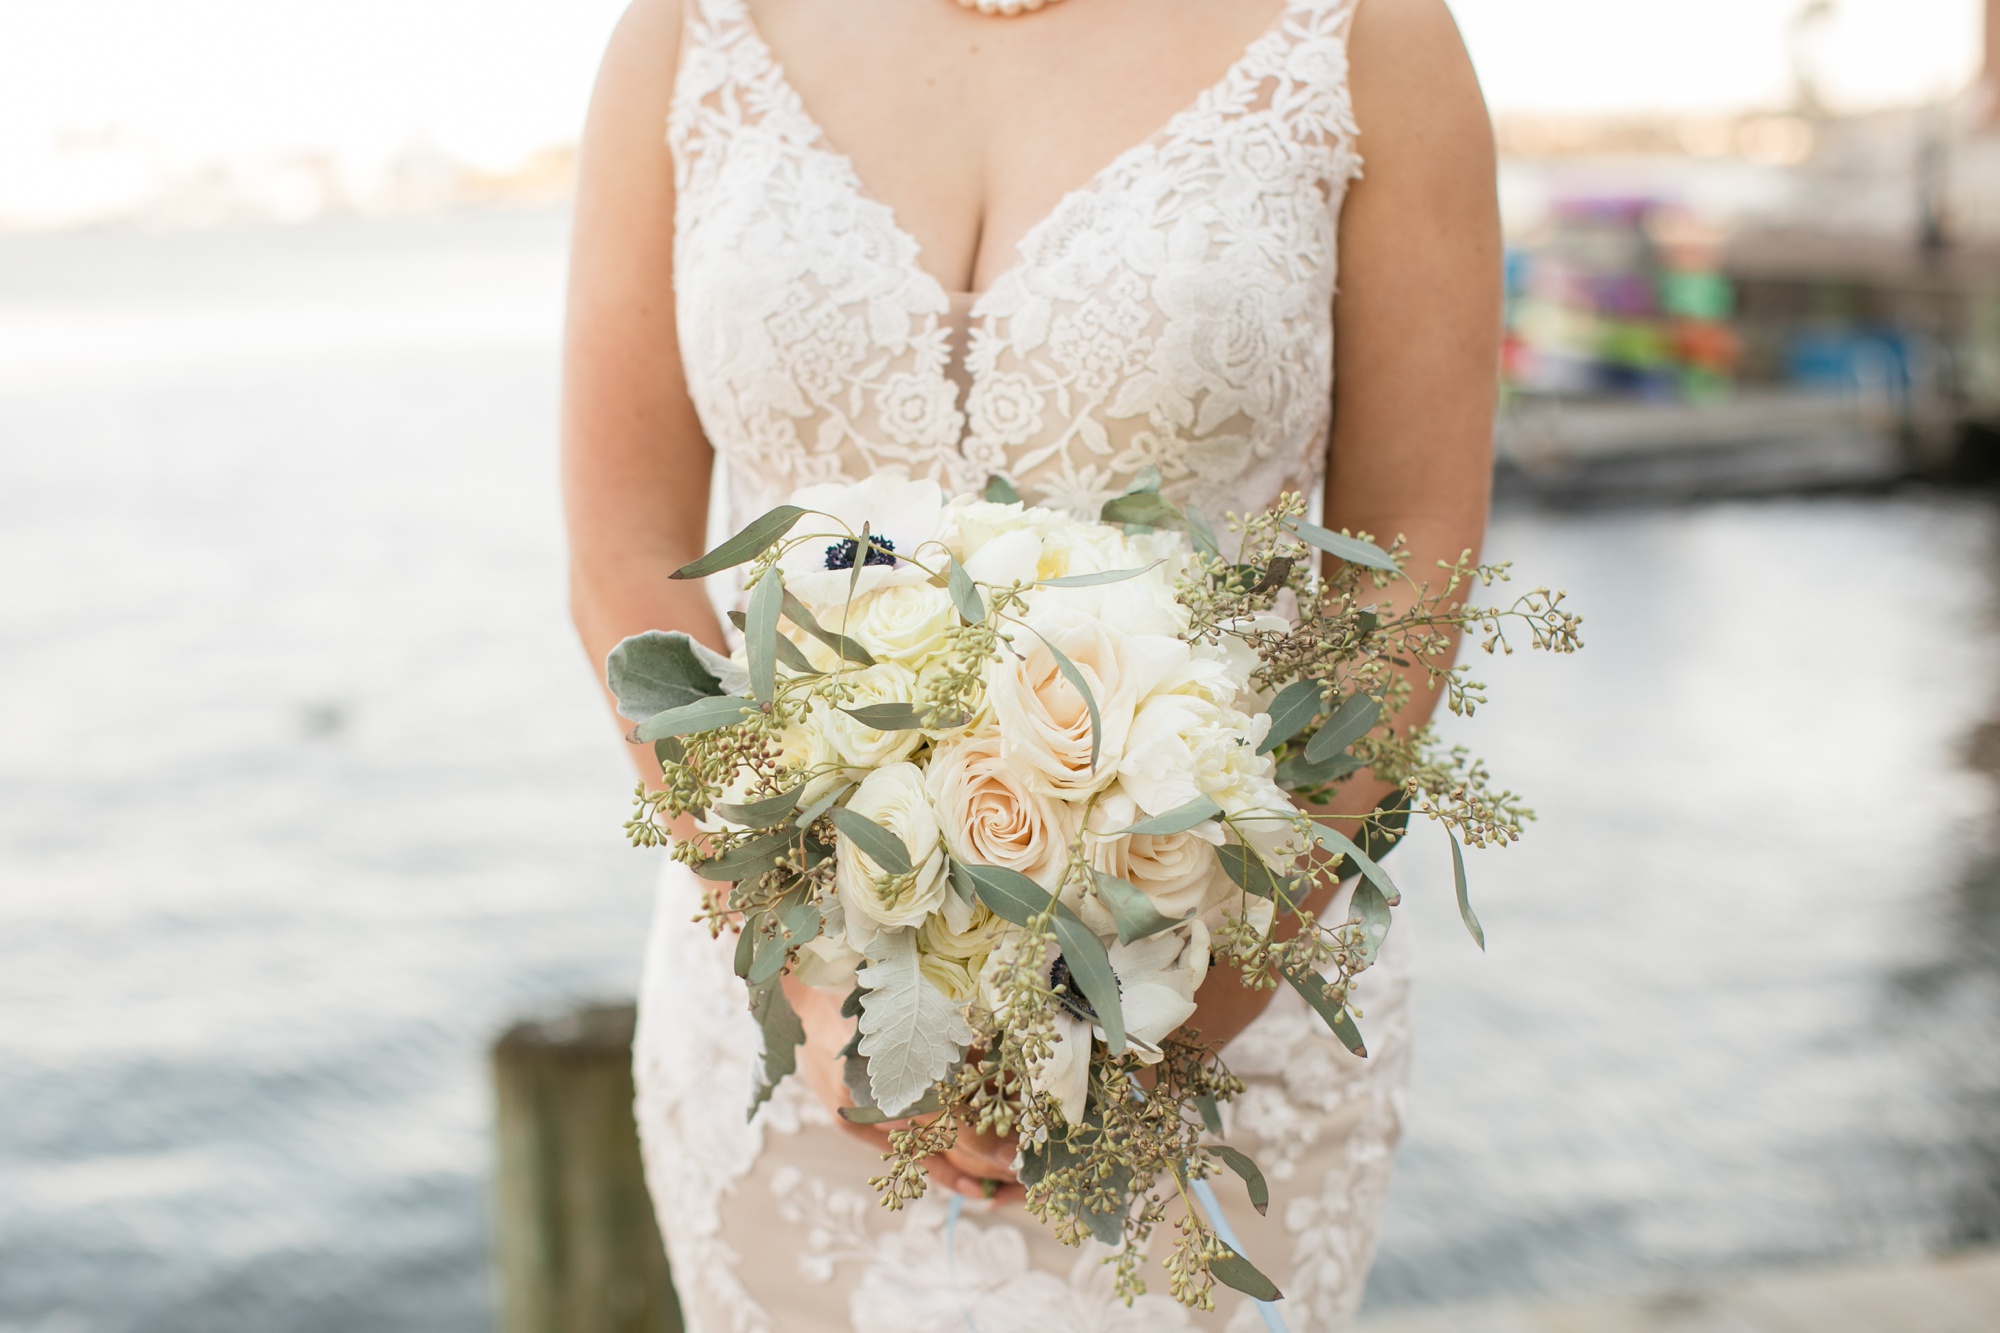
(1173, 312)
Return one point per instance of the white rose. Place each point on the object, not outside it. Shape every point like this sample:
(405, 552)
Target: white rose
(1044, 722)
(906, 623)
(872, 899)
(857, 743)
(992, 817)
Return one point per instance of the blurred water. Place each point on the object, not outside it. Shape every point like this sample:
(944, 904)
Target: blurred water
(303, 794)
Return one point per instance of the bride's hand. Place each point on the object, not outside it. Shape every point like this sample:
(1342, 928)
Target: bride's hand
(978, 1166)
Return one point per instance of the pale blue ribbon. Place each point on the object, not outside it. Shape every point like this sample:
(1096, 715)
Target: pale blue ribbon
(1213, 1207)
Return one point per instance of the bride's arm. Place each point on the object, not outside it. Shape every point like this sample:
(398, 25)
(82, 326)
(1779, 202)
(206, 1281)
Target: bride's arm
(635, 463)
(1417, 333)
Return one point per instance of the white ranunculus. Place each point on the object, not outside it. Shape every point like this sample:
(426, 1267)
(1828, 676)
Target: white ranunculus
(860, 745)
(1177, 872)
(954, 958)
(907, 513)
(992, 816)
(872, 899)
(904, 623)
(1044, 722)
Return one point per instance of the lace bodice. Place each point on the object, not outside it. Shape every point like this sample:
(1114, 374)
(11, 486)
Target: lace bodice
(1176, 310)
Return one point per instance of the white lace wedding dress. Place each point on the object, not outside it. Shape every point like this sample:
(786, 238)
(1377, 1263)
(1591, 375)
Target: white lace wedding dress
(1176, 311)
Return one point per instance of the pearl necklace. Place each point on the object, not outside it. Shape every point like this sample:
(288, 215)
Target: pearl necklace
(1004, 7)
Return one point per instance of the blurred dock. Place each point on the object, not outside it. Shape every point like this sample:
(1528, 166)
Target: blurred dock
(1960, 1294)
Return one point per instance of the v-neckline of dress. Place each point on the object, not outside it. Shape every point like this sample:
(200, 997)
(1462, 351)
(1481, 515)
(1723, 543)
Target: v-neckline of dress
(815, 139)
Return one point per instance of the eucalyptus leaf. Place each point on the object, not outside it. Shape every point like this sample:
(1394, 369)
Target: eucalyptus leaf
(703, 715)
(1291, 711)
(1253, 1179)
(794, 658)
(1203, 533)
(1250, 871)
(1008, 894)
(756, 856)
(1000, 491)
(760, 814)
(760, 634)
(655, 672)
(1090, 970)
(1349, 723)
(1464, 898)
(1082, 687)
(1370, 911)
(1334, 840)
(1177, 820)
(1132, 911)
(1312, 987)
(1143, 510)
(1211, 1114)
(810, 815)
(767, 958)
(845, 648)
(1295, 773)
(1351, 549)
(964, 594)
(890, 717)
(1097, 580)
(757, 537)
(911, 1032)
(746, 948)
(798, 917)
(1236, 1271)
(879, 845)
(783, 1035)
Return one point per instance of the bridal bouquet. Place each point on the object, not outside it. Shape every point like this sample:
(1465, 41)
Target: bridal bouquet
(1020, 781)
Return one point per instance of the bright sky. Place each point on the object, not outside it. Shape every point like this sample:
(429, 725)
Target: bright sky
(489, 80)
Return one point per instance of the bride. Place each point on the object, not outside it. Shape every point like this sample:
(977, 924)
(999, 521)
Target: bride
(1062, 242)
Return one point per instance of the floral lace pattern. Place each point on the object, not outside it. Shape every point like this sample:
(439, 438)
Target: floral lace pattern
(771, 1229)
(1176, 311)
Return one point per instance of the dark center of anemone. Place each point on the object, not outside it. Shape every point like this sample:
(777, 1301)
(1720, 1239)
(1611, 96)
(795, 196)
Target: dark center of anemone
(841, 554)
(1069, 994)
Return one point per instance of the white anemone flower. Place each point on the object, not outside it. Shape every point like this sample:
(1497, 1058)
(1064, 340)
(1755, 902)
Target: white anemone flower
(819, 562)
(1157, 979)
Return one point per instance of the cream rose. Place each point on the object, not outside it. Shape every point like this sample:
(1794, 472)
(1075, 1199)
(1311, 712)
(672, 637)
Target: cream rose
(991, 815)
(872, 899)
(1177, 872)
(857, 743)
(906, 624)
(1044, 721)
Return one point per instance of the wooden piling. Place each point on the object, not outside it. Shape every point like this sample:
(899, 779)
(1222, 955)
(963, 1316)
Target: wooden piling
(577, 1247)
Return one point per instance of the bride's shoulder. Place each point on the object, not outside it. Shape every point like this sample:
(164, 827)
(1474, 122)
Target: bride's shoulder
(644, 49)
(1414, 89)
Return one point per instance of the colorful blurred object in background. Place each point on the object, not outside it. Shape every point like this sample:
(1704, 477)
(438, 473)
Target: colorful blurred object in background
(1622, 296)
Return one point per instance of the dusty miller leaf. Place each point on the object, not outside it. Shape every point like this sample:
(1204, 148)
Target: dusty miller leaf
(783, 1035)
(911, 1032)
(654, 672)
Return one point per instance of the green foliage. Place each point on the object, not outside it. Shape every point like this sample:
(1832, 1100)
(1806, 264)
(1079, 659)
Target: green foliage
(654, 673)
(757, 537)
